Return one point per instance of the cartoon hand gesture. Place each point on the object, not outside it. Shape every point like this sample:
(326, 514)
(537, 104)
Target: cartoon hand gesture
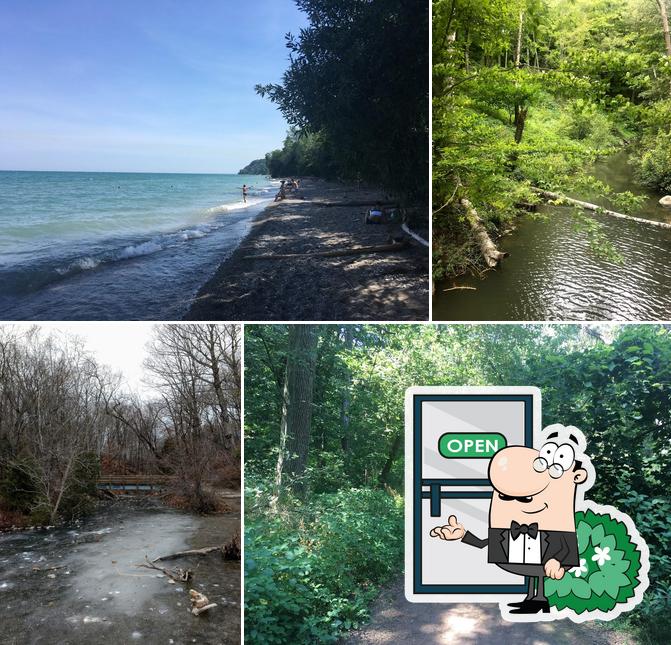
(451, 531)
(554, 570)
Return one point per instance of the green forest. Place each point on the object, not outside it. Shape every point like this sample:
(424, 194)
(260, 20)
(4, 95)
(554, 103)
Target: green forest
(356, 95)
(324, 428)
(527, 95)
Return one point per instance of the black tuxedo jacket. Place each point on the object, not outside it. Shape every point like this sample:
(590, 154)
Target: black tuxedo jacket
(560, 545)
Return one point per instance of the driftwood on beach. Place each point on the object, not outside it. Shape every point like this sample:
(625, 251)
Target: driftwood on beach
(490, 252)
(598, 209)
(355, 250)
(352, 204)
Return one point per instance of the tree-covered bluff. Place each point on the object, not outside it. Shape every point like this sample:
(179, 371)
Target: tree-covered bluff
(256, 167)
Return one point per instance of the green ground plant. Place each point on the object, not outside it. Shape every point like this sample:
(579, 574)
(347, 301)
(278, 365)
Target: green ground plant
(312, 569)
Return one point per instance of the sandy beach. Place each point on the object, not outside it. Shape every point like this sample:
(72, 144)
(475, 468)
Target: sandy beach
(319, 217)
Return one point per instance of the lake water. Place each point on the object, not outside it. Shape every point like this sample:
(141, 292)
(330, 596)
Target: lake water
(116, 246)
(79, 584)
(553, 274)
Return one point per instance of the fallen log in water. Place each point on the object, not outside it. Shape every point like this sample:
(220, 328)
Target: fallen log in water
(229, 551)
(490, 253)
(599, 209)
(183, 554)
(178, 575)
(355, 250)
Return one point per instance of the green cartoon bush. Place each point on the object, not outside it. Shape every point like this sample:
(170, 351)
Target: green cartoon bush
(610, 564)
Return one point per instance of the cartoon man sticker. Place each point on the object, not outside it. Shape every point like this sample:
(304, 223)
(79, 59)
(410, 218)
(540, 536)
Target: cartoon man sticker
(532, 521)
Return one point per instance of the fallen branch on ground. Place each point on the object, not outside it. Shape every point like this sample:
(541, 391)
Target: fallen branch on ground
(351, 251)
(457, 288)
(414, 235)
(599, 209)
(354, 203)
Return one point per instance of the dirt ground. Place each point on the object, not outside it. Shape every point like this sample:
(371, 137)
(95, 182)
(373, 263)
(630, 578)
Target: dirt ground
(374, 286)
(395, 620)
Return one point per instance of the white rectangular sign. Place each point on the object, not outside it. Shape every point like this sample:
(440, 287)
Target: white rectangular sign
(451, 433)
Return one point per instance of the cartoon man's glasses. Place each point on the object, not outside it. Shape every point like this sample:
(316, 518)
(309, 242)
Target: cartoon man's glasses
(555, 459)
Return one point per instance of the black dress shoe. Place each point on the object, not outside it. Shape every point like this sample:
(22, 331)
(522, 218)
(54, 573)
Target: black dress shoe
(519, 603)
(532, 607)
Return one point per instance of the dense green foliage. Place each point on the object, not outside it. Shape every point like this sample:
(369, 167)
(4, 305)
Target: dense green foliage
(357, 83)
(256, 167)
(612, 382)
(304, 154)
(531, 93)
(311, 571)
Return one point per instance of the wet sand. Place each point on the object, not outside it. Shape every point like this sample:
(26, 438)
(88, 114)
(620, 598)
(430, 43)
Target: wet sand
(389, 285)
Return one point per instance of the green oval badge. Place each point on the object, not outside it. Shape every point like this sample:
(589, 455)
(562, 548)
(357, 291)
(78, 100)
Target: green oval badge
(470, 445)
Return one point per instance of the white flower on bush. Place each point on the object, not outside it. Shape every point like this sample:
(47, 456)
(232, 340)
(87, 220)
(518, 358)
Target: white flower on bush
(601, 555)
(578, 571)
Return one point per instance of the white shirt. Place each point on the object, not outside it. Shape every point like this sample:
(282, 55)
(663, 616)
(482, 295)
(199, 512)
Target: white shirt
(524, 549)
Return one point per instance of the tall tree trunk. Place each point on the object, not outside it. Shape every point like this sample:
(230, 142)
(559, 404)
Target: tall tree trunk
(394, 450)
(347, 396)
(467, 51)
(520, 118)
(665, 25)
(518, 51)
(661, 4)
(296, 423)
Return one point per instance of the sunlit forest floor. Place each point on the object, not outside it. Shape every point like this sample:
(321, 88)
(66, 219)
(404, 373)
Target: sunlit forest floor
(395, 620)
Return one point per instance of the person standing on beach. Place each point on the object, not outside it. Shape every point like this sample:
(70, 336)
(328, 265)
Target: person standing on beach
(245, 190)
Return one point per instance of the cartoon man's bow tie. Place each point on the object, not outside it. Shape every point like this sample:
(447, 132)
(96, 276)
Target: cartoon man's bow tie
(528, 529)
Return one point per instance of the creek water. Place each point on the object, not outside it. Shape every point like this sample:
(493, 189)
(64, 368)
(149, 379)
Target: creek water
(80, 583)
(553, 274)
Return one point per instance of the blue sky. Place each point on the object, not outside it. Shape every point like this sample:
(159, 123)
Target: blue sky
(144, 85)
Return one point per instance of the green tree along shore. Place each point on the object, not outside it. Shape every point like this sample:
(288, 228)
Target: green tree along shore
(530, 93)
(324, 428)
(356, 95)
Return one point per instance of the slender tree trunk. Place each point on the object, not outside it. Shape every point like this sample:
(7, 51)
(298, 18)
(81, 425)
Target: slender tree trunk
(520, 118)
(296, 422)
(394, 450)
(63, 486)
(518, 51)
(467, 59)
(661, 4)
(347, 396)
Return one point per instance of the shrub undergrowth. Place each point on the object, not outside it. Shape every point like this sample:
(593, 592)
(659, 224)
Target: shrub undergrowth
(312, 569)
